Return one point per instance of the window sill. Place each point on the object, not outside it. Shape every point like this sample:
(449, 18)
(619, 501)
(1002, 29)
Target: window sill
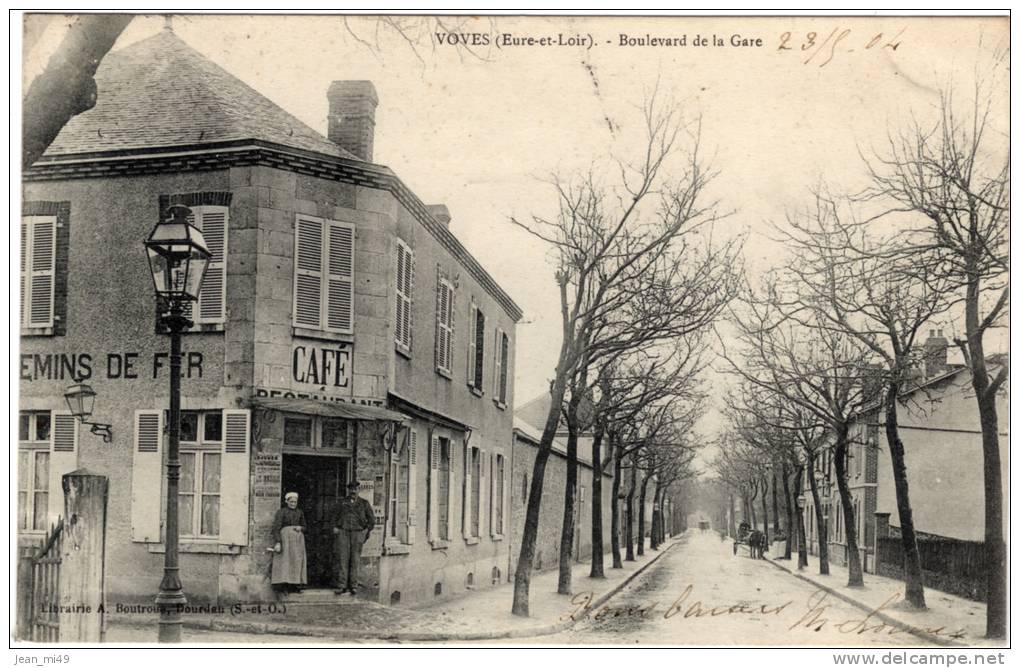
(444, 373)
(322, 335)
(471, 540)
(440, 544)
(475, 391)
(197, 547)
(497, 536)
(397, 548)
(402, 350)
(37, 331)
(206, 328)
(501, 405)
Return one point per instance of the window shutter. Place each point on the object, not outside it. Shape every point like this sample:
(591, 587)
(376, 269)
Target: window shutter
(472, 366)
(234, 480)
(497, 361)
(434, 488)
(23, 305)
(340, 278)
(42, 257)
(213, 295)
(398, 328)
(480, 350)
(409, 286)
(467, 514)
(504, 481)
(63, 459)
(493, 529)
(504, 369)
(451, 495)
(308, 273)
(147, 476)
(483, 501)
(412, 484)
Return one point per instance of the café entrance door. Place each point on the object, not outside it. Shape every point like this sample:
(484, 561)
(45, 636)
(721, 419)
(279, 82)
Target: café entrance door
(320, 482)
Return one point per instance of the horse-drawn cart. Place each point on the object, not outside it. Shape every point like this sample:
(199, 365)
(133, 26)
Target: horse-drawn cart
(756, 541)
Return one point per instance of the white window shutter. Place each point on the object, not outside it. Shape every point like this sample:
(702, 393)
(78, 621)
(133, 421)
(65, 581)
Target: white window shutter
(405, 281)
(483, 502)
(451, 488)
(340, 278)
(42, 263)
(412, 484)
(147, 476)
(398, 325)
(472, 346)
(493, 529)
(63, 459)
(212, 300)
(308, 273)
(506, 495)
(24, 278)
(504, 381)
(434, 488)
(409, 303)
(497, 358)
(234, 478)
(469, 509)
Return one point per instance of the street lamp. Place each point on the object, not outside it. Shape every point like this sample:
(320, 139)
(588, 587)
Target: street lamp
(178, 257)
(81, 399)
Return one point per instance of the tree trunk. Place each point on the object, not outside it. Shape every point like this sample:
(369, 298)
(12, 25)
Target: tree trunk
(823, 534)
(597, 548)
(856, 576)
(775, 506)
(731, 522)
(995, 548)
(641, 515)
(522, 577)
(750, 507)
(66, 87)
(788, 551)
(802, 553)
(911, 556)
(614, 539)
(765, 510)
(630, 509)
(569, 500)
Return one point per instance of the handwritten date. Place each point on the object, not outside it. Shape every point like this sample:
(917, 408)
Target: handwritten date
(812, 43)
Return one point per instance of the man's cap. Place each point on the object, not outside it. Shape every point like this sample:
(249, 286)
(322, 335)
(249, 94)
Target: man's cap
(353, 485)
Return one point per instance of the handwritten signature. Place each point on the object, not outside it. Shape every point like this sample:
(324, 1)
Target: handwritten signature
(815, 617)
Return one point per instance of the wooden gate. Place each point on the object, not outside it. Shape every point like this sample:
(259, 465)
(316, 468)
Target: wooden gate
(40, 618)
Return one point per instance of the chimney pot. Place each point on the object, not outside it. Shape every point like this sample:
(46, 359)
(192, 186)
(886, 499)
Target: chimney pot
(352, 116)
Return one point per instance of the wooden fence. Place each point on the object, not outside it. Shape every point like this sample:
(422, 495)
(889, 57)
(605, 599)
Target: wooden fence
(39, 588)
(947, 564)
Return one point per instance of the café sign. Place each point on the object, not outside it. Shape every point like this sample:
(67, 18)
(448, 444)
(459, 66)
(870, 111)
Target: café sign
(321, 365)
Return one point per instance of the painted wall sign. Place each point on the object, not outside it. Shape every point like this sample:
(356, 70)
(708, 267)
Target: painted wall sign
(109, 366)
(292, 394)
(322, 365)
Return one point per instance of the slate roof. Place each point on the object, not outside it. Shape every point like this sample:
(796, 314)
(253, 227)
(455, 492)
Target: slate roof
(160, 93)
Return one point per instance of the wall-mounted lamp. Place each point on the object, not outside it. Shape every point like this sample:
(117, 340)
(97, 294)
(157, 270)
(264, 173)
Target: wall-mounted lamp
(81, 399)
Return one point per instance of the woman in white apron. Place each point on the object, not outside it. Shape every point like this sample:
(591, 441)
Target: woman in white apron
(290, 564)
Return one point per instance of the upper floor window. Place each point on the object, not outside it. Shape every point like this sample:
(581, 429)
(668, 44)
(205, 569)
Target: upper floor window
(405, 288)
(444, 327)
(501, 354)
(324, 275)
(38, 271)
(476, 349)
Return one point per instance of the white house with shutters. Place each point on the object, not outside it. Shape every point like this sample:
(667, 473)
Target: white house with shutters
(343, 333)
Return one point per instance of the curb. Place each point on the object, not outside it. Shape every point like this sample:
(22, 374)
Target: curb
(888, 619)
(328, 632)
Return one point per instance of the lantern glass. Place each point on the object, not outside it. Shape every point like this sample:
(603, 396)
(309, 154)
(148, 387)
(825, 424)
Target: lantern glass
(178, 256)
(81, 399)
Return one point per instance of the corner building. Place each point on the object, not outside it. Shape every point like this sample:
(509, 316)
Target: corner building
(343, 333)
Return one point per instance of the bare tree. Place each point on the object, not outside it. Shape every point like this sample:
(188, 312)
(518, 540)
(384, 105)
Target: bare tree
(804, 362)
(852, 282)
(628, 275)
(955, 172)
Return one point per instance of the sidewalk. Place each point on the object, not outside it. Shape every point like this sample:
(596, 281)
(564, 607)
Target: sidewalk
(480, 615)
(949, 620)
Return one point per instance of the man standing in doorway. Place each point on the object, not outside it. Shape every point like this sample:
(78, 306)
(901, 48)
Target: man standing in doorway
(354, 521)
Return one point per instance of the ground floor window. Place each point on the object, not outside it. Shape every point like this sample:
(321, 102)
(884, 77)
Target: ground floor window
(444, 489)
(199, 491)
(498, 473)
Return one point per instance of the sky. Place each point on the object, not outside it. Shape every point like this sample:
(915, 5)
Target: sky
(482, 132)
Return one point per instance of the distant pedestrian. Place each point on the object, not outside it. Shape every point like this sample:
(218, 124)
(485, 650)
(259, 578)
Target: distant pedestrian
(290, 563)
(353, 524)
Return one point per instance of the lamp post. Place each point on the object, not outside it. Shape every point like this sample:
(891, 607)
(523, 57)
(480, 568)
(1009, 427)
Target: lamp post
(178, 257)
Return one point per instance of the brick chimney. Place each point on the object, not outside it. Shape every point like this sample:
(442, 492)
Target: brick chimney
(440, 213)
(352, 116)
(936, 354)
